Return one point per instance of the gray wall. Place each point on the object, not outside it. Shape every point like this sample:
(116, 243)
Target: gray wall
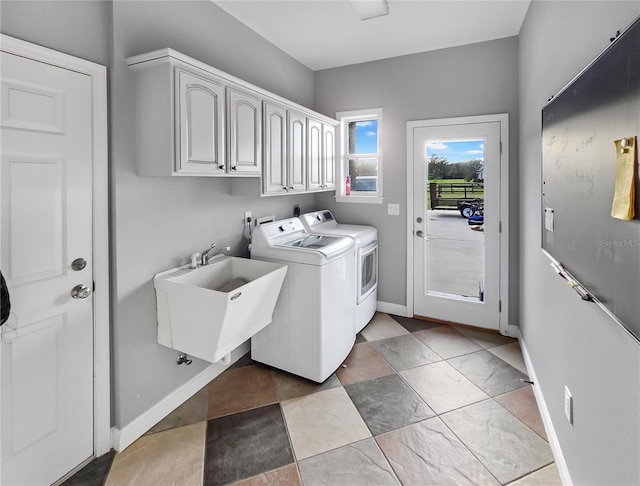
(77, 28)
(572, 342)
(156, 223)
(475, 79)
(159, 222)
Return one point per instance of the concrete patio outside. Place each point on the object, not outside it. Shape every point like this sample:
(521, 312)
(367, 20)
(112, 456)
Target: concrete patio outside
(455, 254)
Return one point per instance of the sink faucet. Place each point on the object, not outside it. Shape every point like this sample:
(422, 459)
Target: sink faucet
(206, 257)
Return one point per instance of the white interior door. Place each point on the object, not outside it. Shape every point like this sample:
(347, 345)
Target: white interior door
(457, 265)
(46, 354)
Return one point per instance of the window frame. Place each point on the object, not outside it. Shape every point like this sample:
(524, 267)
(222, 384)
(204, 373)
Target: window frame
(345, 117)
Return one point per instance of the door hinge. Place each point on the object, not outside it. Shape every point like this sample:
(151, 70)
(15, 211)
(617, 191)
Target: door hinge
(94, 286)
(500, 147)
(499, 306)
(500, 227)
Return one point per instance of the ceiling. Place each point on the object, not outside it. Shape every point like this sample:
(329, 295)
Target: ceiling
(323, 34)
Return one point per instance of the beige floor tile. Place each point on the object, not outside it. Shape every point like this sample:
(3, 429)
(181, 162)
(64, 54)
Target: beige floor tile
(505, 445)
(323, 421)
(241, 389)
(173, 456)
(512, 354)
(522, 403)
(363, 363)
(443, 387)
(284, 476)
(429, 453)
(359, 464)
(382, 326)
(447, 341)
(547, 476)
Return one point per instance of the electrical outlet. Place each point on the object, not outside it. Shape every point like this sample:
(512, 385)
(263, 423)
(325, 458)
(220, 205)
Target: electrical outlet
(568, 405)
(247, 215)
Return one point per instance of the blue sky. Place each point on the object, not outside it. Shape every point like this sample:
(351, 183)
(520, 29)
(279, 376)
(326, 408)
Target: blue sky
(367, 137)
(457, 151)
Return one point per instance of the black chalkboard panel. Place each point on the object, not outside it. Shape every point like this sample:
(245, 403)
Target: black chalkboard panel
(579, 126)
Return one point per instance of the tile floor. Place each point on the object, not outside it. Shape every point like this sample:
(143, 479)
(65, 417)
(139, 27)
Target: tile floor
(415, 403)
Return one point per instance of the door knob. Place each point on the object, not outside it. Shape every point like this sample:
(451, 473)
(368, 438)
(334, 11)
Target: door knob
(80, 291)
(78, 264)
(419, 234)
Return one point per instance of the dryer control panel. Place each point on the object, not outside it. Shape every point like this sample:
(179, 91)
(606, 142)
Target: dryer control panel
(282, 227)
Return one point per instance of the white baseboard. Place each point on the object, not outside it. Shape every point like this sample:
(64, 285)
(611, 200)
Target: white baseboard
(123, 438)
(513, 331)
(561, 464)
(389, 308)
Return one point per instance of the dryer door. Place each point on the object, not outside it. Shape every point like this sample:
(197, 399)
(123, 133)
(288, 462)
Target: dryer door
(367, 270)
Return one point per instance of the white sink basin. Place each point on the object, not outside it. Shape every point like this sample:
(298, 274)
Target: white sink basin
(208, 311)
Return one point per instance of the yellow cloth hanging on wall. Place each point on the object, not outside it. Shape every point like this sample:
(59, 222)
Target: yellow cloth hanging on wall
(624, 192)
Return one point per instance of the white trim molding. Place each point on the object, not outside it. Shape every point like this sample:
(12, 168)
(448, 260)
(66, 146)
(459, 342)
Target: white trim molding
(502, 118)
(554, 443)
(127, 435)
(98, 75)
(391, 308)
(342, 169)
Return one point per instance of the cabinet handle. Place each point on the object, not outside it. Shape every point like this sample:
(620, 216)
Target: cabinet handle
(221, 167)
(285, 188)
(234, 168)
(291, 188)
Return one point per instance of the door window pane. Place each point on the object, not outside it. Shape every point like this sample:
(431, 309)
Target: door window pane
(454, 216)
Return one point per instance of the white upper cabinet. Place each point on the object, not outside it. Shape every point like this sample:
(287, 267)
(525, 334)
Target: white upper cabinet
(274, 175)
(195, 120)
(297, 160)
(200, 125)
(245, 132)
(328, 157)
(314, 155)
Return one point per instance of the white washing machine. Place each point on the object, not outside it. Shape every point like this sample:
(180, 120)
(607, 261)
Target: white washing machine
(366, 259)
(312, 329)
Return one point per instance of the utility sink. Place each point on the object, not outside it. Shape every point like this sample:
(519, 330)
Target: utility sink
(209, 311)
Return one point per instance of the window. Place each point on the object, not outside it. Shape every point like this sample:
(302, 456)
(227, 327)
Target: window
(361, 156)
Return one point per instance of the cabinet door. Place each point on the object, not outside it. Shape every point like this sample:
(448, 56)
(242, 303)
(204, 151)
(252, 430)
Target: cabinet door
(245, 132)
(314, 154)
(296, 156)
(200, 130)
(328, 157)
(274, 175)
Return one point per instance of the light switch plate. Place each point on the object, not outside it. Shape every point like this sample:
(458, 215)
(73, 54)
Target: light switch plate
(393, 209)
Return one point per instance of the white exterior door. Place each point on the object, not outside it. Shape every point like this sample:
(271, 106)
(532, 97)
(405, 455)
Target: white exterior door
(456, 265)
(46, 354)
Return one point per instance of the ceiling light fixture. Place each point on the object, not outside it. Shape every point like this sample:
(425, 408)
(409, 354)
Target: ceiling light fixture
(370, 9)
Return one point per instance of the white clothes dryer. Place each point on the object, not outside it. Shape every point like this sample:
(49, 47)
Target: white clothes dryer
(312, 329)
(366, 259)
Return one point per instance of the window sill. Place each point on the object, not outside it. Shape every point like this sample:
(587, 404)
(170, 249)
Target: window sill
(360, 199)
